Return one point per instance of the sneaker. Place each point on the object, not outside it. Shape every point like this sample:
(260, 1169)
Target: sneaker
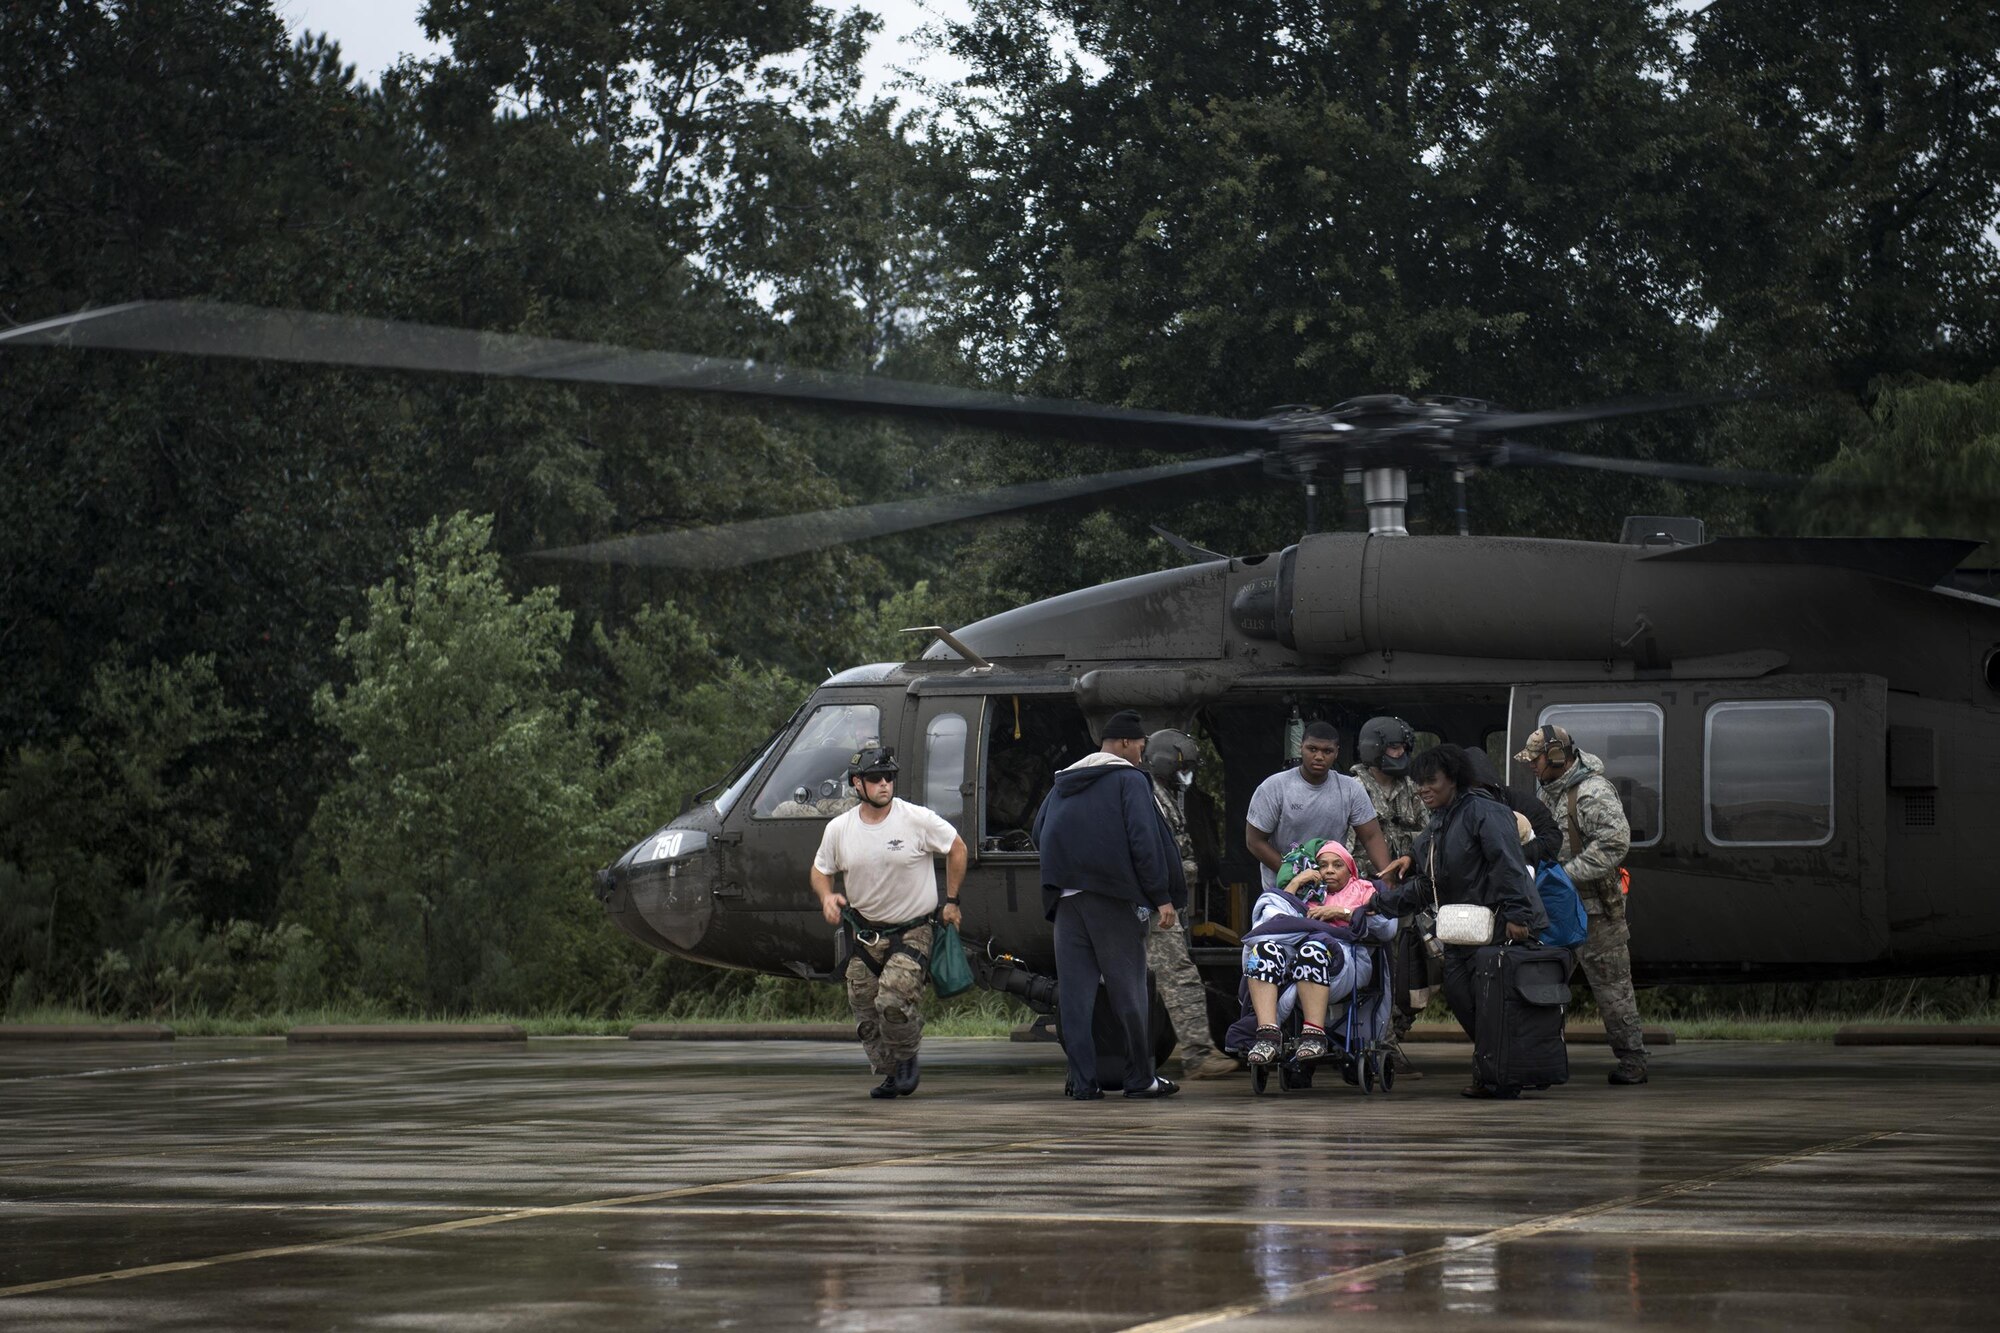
(1076, 1094)
(1485, 1093)
(1265, 1048)
(1401, 1064)
(885, 1089)
(1628, 1074)
(1213, 1065)
(905, 1077)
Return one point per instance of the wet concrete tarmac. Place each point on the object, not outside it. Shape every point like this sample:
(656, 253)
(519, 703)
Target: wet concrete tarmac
(609, 1183)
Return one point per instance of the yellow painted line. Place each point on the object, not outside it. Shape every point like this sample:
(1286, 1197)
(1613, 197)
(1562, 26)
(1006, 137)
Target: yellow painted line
(1519, 1231)
(551, 1210)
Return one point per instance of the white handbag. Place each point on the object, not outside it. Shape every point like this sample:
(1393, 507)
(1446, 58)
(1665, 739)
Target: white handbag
(1459, 923)
(1465, 923)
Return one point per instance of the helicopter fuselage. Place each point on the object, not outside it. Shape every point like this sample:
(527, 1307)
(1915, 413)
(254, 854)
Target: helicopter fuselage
(1806, 736)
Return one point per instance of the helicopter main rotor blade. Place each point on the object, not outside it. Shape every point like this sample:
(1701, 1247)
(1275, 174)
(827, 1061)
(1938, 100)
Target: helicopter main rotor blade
(1511, 452)
(734, 544)
(214, 329)
(1511, 421)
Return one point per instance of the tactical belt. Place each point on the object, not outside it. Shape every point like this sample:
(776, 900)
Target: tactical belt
(862, 935)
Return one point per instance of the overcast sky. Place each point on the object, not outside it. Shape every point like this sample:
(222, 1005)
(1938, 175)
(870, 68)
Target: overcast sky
(374, 34)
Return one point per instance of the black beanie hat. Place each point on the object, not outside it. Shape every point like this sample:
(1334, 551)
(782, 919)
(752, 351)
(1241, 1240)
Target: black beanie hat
(1124, 726)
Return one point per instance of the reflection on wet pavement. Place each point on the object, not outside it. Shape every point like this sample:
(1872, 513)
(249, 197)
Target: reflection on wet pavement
(229, 1184)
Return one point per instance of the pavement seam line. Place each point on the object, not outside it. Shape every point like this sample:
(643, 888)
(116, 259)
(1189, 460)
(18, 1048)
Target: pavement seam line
(548, 1210)
(1844, 1236)
(1500, 1236)
(135, 1069)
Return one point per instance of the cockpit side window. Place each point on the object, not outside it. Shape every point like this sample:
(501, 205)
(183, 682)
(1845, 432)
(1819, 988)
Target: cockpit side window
(810, 781)
(732, 791)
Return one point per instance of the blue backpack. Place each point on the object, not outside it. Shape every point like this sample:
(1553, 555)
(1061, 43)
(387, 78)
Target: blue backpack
(1567, 922)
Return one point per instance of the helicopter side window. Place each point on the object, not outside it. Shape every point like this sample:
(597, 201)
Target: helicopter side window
(944, 764)
(1627, 737)
(1767, 776)
(810, 782)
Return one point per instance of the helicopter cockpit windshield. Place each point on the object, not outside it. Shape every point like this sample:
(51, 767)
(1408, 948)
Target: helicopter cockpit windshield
(810, 782)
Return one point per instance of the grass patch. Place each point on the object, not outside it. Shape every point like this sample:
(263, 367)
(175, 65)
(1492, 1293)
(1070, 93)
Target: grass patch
(976, 1013)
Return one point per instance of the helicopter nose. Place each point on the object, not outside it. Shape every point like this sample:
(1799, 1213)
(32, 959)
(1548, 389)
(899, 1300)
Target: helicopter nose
(661, 892)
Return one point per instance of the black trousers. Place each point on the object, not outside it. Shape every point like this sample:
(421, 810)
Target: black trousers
(1101, 937)
(1459, 993)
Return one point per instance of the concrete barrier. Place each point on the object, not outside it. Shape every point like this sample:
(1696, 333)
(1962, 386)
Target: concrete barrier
(742, 1032)
(85, 1032)
(407, 1032)
(1581, 1034)
(1916, 1034)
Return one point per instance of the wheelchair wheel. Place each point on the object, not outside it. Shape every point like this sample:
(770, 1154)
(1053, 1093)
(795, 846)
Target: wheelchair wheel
(1259, 1076)
(1385, 1065)
(1367, 1073)
(1350, 1070)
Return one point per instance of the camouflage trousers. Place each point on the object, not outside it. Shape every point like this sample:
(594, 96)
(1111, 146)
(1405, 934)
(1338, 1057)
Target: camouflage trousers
(887, 1009)
(1181, 991)
(1606, 958)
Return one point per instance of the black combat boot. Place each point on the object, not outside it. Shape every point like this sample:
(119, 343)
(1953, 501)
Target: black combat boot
(904, 1080)
(885, 1089)
(1631, 1072)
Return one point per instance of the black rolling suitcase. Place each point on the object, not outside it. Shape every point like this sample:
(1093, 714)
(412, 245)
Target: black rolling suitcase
(1520, 997)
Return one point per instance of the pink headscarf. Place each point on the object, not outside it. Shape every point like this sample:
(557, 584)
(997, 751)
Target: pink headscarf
(1357, 890)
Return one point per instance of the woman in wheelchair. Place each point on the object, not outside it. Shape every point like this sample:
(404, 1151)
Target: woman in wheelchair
(1294, 954)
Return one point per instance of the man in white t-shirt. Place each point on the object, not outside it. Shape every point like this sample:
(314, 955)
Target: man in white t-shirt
(1311, 801)
(882, 848)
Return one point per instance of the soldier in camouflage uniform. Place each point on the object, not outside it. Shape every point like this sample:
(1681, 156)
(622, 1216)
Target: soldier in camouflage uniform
(1384, 746)
(1170, 759)
(1596, 837)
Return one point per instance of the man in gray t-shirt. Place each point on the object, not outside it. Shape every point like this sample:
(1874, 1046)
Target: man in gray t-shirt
(1311, 801)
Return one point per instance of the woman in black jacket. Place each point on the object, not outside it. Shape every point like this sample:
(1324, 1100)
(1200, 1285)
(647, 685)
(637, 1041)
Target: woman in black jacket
(1547, 839)
(1469, 853)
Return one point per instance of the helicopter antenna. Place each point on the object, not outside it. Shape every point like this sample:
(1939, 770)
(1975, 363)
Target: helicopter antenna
(951, 641)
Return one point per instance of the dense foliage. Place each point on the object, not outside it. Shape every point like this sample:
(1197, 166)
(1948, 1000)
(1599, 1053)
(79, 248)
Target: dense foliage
(291, 719)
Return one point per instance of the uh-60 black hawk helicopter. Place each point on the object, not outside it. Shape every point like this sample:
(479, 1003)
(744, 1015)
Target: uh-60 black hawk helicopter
(1805, 733)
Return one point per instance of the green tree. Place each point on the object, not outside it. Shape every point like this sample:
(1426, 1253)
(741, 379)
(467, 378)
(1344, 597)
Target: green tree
(103, 831)
(1924, 463)
(453, 854)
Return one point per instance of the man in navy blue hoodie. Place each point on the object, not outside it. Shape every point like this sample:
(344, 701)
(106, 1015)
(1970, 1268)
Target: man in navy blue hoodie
(1110, 873)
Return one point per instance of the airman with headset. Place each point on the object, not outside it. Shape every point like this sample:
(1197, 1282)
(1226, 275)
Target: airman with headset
(1596, 836)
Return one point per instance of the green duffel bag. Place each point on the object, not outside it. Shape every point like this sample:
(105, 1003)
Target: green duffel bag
(951, 972)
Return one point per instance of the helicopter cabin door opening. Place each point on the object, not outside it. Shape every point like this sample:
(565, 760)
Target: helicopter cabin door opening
(1250, 732)
(1757, 809)
(1030, 736)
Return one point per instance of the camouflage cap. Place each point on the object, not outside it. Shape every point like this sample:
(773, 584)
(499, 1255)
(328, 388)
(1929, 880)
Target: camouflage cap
(1542, 739)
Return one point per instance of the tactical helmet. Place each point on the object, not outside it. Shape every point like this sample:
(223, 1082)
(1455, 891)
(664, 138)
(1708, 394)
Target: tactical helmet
(1377, 735)
(1168, 752)
(872, 758)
